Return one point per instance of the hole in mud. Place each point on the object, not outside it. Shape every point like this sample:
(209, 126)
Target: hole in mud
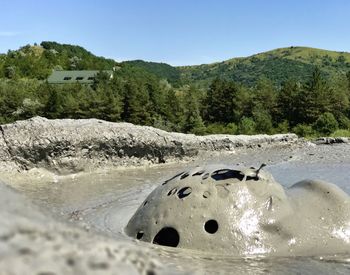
(184, 176)
(224, 174)
(172, 191)
(145, 203)
(252, 178)
(211, 226)
(205, 176)
(206, 194)
(198, 173)
(167, 236)
(139, 235)
(184, 192)
(174, 177)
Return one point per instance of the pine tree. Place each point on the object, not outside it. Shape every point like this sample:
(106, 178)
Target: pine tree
(288, 105)
(219, 101)
(192, 119)
(136, 104)
(315, 97)
(265, 97)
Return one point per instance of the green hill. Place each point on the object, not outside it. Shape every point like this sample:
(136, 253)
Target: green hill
(37, 61)
(277, 65)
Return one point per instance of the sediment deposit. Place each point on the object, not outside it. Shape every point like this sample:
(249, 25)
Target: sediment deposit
(68, 146)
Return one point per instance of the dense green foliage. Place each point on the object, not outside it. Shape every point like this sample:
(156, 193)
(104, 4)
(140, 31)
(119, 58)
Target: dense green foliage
(147, 93)
(326, 124)
(161, 70)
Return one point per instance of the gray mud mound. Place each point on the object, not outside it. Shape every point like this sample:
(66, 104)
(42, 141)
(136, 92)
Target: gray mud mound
(232, 211)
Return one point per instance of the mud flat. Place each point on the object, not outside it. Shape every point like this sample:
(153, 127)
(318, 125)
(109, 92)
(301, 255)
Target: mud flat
(71, 186)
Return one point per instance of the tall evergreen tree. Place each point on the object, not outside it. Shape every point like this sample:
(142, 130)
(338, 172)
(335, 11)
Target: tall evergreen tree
(315, 97)
(174, 110)
(192, 121)
(288, 103)
(265, 97)
(136, 104)
(219, 101)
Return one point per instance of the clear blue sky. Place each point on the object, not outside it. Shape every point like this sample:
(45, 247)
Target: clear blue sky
(178, 32)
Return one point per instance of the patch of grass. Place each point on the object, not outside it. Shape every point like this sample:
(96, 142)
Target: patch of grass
(341, 133)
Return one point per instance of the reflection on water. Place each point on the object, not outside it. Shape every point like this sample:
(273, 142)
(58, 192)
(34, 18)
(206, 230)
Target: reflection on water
(104, 202)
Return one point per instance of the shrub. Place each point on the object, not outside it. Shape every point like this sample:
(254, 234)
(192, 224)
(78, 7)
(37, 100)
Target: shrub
(247, 126)
(344, 122)
(215, 128)
(326, 124)
(200, 131)
(231, 128)
(263, 123)
(283, 127)
(303, 130)
(341, 133)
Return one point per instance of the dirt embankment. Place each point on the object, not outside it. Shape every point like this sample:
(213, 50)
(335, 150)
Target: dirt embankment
(68, 146)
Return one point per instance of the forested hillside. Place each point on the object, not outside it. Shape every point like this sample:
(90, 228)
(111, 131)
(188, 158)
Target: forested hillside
(38, 61)
(161, 70)
(303, 90)
(278, 65)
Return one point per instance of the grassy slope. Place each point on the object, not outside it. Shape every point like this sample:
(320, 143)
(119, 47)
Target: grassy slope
(278, 65)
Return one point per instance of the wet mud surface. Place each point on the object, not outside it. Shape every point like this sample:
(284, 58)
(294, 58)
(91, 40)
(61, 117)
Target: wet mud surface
(102, 202)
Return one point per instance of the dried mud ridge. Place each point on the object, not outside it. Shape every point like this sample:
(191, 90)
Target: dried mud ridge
(66, 146)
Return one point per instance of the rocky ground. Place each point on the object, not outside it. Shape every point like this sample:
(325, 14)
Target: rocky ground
(33, 243)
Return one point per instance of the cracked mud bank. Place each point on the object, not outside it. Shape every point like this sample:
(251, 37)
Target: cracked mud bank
(68, 146)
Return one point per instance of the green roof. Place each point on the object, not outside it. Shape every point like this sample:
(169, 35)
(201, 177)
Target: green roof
(69, 77)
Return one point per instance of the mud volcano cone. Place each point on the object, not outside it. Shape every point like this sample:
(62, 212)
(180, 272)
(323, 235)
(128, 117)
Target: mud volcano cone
(244, 211)
(216, 208)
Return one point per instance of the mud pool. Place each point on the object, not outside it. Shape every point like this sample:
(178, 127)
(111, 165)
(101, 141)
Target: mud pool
(103, 201)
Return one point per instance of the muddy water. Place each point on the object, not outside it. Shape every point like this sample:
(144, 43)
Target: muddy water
(104, 201)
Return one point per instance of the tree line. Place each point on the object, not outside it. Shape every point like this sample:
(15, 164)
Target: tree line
(318, 107)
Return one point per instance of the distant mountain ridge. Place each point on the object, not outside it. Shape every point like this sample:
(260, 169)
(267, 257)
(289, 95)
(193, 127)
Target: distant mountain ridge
(278, 65)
